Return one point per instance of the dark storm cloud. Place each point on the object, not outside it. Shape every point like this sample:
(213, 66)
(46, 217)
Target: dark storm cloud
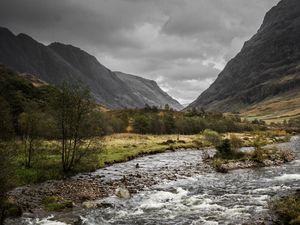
(183, 44)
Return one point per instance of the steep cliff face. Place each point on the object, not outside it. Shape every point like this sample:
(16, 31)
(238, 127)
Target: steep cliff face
(148, 91)
(58, 63)
(268, 65)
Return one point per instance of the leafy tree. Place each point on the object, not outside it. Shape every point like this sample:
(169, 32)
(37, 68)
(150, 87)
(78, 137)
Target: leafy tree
(118, 125)
(6, 125)
(141, 124)
(167, 107)
(155, 125)
(169, 123)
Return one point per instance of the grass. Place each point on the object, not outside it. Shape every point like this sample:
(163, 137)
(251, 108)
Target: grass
(266, 137)
(276, 109)
(54, 204)
(288, 209)
(121, 147)
(108, 150)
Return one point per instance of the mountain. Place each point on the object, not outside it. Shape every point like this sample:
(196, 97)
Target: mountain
(148, 91)
(58, 63)
(267, 69)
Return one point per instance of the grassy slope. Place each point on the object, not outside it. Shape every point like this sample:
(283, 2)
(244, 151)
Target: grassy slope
(276, 109)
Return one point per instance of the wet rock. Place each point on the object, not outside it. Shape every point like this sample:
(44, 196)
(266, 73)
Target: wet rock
(287, 156)
(268, 162)
(105, 204)
(122, 192)
(69, 219)
(28, 215)
(89, 205)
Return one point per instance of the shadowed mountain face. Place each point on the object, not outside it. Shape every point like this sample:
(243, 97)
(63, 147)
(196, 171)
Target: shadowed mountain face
(148, 91)
(268, 65)
(58, 63)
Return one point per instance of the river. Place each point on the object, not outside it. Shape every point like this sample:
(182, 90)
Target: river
(202, 197)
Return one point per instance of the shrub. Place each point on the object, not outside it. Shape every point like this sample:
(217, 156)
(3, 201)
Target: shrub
(224, 149)
(288, 209)
(259, 152)
(212, 137)
(235, 142)
(218, 165)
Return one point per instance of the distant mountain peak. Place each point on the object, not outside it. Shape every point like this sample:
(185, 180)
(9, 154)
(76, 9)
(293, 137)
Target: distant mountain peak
(149, 91)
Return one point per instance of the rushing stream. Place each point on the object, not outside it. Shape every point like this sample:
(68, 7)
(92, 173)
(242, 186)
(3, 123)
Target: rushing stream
(239, 197)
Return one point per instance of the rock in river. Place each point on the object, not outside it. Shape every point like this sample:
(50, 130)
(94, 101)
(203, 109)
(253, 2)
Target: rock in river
(122, 192)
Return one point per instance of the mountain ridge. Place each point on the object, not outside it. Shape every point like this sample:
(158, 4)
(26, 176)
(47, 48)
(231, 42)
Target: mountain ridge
(57, 63)
(148, 90)
(267, 65)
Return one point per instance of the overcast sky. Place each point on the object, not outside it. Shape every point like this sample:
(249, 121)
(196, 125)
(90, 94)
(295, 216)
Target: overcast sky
(182, 44)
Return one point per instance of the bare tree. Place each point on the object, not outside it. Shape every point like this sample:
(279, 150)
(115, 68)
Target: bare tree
(31, 127)
(72, 106)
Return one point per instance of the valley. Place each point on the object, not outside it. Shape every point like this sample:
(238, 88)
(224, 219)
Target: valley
(82, 143)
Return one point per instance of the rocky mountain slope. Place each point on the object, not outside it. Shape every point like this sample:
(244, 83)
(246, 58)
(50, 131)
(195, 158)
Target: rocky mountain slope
(58, 63)
(266, 70)
(148, 91)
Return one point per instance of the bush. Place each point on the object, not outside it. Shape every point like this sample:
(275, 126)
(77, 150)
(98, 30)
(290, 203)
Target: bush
(224, 149)
(235, 142)
(288, 209)
(212, 137)
(259, 152)
(218, 165)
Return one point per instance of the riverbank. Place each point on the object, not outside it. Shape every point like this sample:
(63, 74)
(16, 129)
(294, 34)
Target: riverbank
(67, 193)
(116, 148)
(97, 191)
(89, 189)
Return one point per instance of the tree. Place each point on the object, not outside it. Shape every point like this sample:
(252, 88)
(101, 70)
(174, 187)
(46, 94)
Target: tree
(167, 107)
(31, 128)
(155, 126)
(6, 124)
(72, 106)
(141, 124)
(169, 123)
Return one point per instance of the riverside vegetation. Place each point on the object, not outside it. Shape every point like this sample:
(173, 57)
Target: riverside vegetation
(49, 132)
(230, 156)
(287, 209)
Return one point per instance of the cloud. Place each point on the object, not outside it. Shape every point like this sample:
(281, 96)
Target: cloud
(182, 44)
